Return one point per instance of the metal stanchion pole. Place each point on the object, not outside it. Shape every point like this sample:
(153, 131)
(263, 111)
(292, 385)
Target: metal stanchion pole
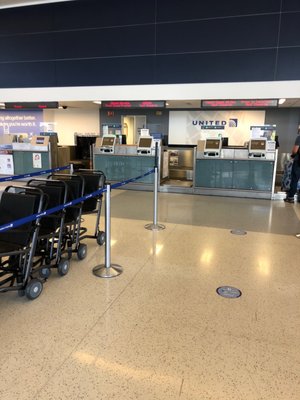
(155, 226)
(107, 270)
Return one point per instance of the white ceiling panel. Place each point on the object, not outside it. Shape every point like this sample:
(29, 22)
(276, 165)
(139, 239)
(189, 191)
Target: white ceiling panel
(23, 3)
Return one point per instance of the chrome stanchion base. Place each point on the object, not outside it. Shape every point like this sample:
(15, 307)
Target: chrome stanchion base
(155, 227)
(297, 235)
(103, 272)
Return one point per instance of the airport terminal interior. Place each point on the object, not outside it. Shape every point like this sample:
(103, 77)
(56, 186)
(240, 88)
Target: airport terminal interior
(206, 306)
(160, 330)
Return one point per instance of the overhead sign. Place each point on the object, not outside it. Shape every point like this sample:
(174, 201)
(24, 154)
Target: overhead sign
(41, 105)
(259, 103)
(133, 104)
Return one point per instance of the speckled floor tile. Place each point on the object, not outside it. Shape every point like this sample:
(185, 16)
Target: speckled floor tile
(159, 330)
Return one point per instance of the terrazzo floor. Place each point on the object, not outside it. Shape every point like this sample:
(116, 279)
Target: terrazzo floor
(159, 331)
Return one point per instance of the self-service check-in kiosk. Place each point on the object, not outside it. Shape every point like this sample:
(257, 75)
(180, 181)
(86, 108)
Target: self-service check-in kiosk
(145, 145)
(257, 148)
(212, 147)
(108, 144)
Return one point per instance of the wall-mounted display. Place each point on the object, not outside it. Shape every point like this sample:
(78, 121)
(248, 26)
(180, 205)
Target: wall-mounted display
(133, 104)
(259, 103)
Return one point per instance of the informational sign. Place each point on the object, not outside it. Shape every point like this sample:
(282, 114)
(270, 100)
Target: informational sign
(6, 162)
(42, 105)
(259, 103)
(133, 104)
(264, 131)
(187, 127)
(37, 160)
(20, 122)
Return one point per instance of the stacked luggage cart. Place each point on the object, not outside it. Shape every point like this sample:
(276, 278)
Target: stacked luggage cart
(29, 254)
(17, 245)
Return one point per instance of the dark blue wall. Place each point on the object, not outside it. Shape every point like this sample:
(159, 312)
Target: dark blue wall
(91, 42)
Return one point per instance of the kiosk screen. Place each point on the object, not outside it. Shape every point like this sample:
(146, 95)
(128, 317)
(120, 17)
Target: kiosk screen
(212, 144)
(145, 142)
(108, 141)
(259, 145)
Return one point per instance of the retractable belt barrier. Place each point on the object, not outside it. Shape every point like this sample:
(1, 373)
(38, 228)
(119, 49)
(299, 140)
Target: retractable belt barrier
(30, 218)
(44, 172)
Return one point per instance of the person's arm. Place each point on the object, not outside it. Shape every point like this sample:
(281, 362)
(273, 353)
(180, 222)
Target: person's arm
(294, 150)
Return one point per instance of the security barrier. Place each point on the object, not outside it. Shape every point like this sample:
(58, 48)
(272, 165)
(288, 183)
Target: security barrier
(45, 172)
(33, 287)
(30, 218)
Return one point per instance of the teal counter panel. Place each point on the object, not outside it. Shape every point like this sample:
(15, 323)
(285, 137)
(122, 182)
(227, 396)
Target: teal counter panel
(214, 173)
(234, 174)
(23, 162)
(241, 175)
(119, 168)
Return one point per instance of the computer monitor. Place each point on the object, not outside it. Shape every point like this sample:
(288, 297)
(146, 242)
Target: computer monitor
(257, 145)
(212, 144)
(224, 141)
(145, 142)
(108, 141)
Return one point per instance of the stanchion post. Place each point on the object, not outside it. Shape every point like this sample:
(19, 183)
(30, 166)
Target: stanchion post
(107, 270)
(155, 226)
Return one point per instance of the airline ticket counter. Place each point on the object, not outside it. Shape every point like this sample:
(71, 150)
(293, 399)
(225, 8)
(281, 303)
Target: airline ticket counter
(236, 171)
(122, 162)
(27, 157)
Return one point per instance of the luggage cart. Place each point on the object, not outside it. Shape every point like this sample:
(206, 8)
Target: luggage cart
(94, 180)
(51, 243)
(17, 245)
(72, 222)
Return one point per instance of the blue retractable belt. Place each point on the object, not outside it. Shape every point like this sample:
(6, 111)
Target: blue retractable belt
(30, 218)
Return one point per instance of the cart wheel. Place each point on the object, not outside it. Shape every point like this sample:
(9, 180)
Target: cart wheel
(63, 267)
(47, 260)
(81, 251)
(69, 252)
(45, 272)
(101, 238)
(33, 289)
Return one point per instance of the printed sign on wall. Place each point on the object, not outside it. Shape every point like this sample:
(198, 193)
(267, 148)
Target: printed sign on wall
(6, 162)
(187, 127)
(20, 122)
(37, 160)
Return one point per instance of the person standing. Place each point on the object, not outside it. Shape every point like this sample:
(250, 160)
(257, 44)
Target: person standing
(295, 170)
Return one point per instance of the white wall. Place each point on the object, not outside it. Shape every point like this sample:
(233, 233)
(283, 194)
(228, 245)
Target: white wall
(73, 120)
(235, 90)
(185, 127)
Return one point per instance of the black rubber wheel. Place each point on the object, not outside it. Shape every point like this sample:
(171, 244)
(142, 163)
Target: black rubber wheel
(101, 238)
(82, 251)
(69, 253)
(63, 267)
(45, 272)
(33, 289)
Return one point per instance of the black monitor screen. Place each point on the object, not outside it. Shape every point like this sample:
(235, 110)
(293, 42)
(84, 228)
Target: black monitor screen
(224, 141)
(145, 142)
(108, 141)
(212, 144)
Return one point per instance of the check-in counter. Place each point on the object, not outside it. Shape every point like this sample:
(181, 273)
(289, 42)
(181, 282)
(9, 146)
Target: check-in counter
(235, 173)
(30, 158)
(124, 163)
